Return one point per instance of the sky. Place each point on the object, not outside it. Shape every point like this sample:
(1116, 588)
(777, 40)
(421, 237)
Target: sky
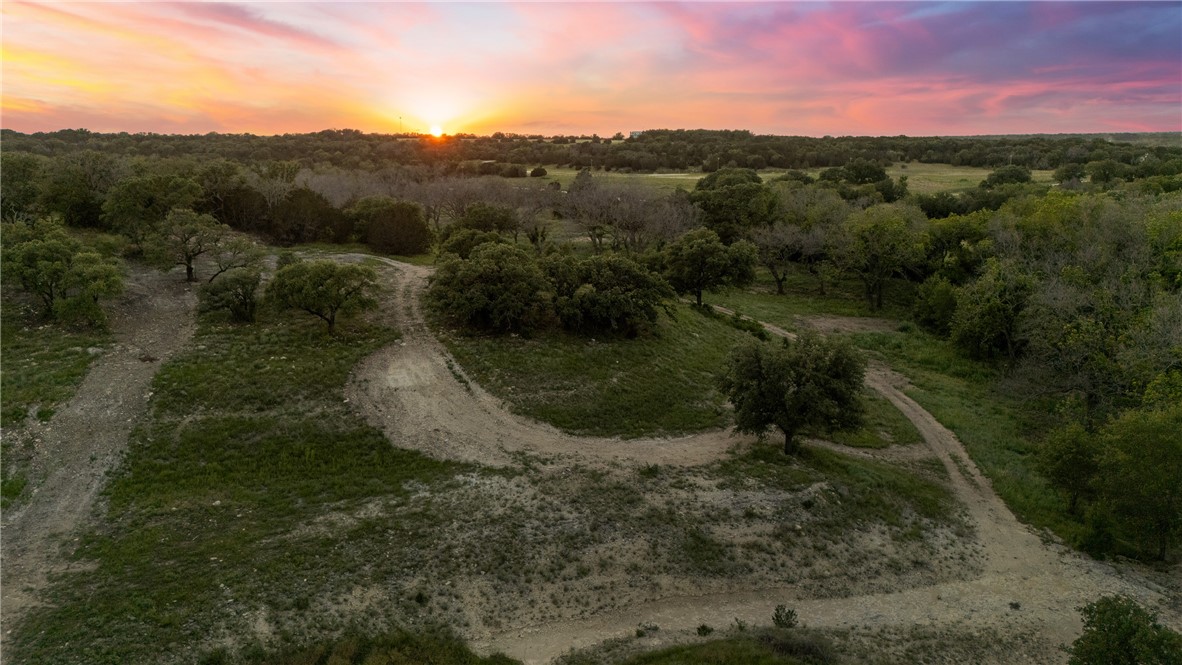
(794, 68)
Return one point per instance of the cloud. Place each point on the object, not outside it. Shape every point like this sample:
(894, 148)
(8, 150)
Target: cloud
(839, 68)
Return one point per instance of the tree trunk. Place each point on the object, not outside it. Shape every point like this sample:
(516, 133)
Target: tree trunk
(698, 293)
(789, 443)
(189, 277)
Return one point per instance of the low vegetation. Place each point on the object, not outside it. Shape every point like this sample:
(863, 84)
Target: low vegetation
(662, 383)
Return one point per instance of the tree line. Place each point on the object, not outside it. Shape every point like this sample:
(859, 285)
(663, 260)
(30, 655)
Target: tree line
(646, 151)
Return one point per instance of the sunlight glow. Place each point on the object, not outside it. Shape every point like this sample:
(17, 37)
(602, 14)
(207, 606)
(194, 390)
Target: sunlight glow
(436, 131)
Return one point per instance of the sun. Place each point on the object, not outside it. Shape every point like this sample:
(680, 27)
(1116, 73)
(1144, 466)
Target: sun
(436, 131)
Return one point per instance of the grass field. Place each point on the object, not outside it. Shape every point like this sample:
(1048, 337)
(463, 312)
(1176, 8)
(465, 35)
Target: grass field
(802, 297)
(659, 181)
(931, 178)
(253, 509)
(662, 384)
(921, 178)
(42, 364)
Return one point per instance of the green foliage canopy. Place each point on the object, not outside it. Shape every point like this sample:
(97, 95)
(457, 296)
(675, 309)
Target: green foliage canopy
(812, 382)
(325, 289)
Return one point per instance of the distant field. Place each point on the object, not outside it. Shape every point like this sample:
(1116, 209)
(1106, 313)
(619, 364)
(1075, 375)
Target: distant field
(662, 181)
(932, 178)
(921, 178)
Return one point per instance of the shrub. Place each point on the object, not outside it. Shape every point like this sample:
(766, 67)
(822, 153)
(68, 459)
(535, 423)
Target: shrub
(1118, 631)
(387, 225)
(538, 172)
(784, 617)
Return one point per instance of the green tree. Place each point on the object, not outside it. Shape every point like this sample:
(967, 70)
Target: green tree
(499, 287)
(488, 217)
(1140, 475)
(461, 243)
(1006, 175)
(324, 289)
(137, 206)
(235, 252)
(986, 320)
(21, 176)
(1069, 460)
(732, 206)
(1118, 631)
(68, 278)
(303, 216)
(935, 305)
(184, 236)
(811, 382)
(605, 293)
(391, 226)
(698, 261)
(235, 291)
(878, 243)
(77, 185)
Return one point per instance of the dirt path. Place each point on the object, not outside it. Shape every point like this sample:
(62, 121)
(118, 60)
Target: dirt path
(413, 391)
(83, 441)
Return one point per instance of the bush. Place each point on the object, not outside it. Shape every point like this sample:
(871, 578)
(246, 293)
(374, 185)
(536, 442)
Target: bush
(499, 287)
(784, 617)
(538, 172)
(1118, 631)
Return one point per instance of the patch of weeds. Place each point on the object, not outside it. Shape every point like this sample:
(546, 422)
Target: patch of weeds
(11, 487)
(647, 628)
(884, 426)
(649, 471)
(704, 630)
(435, 645)
(458, 375)
(784, 617)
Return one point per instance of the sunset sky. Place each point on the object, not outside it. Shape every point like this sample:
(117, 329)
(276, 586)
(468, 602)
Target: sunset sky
(866, 68)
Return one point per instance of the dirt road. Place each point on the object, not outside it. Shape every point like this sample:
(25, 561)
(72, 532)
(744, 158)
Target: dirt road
(84, 440)
(419, 397)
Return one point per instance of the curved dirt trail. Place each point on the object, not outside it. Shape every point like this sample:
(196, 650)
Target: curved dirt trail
(83, 441)
(412, 392)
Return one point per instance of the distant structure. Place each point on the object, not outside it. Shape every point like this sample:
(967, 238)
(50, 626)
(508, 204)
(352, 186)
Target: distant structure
(634, 135)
